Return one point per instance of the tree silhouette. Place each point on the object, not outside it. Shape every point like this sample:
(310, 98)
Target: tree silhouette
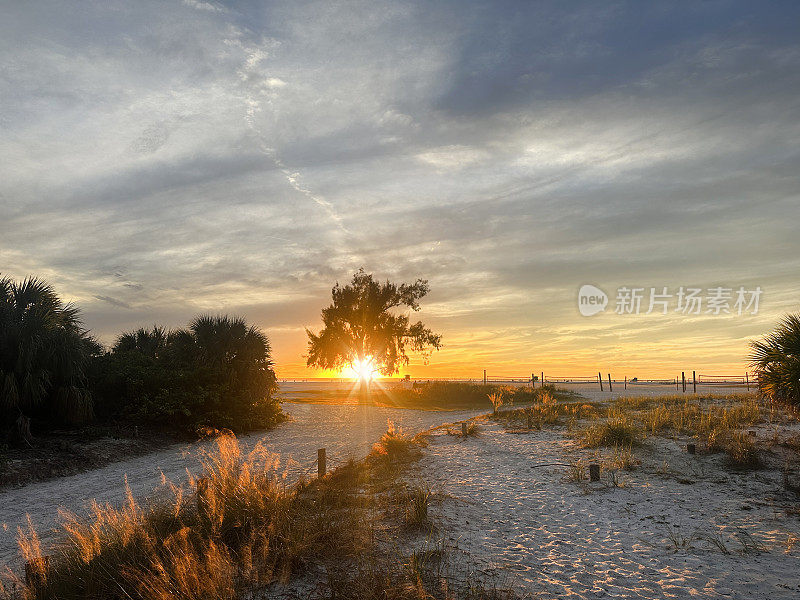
(361, 329)
(44, 352)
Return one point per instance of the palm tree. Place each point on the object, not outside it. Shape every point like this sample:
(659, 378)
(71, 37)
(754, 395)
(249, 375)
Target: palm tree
(776, 360)
(44, 352)
(235, 355)
(151, 342)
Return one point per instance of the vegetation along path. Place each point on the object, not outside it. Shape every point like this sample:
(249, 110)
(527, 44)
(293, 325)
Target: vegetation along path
(344, 431)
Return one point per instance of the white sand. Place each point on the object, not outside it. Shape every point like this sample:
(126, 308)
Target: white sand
(564, 540)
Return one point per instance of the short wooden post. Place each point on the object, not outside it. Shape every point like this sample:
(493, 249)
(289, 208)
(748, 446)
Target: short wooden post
(691, 448)
(610, 389)
(747, 381)
(321, 466)
(594, 472)
(464, 428)
(542, 380)
(36, 572)
(136, 431)
(600, 379)
(694, 381)
(683, 380)
(626, 382)
(484, 377)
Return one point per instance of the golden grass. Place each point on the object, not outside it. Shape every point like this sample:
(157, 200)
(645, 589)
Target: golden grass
(616, 430)
(239, 529)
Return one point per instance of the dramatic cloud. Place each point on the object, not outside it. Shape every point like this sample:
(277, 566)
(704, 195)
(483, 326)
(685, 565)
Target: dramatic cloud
(163, 159)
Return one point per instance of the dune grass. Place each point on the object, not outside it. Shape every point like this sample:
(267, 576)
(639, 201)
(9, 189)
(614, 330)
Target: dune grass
(717, 421)
(237, 528)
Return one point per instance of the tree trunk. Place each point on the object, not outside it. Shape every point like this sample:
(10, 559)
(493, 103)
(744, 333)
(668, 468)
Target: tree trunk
(363, 391)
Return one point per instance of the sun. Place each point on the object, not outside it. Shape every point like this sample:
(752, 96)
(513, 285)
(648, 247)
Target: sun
(364, 368)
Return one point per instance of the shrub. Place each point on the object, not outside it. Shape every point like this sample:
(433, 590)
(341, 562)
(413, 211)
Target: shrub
(217, 373)
(617, 430)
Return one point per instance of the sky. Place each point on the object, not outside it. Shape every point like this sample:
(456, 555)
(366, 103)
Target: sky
(164, 159)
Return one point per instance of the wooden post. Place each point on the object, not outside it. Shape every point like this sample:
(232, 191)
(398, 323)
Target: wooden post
(694, 381)
(484, 377)
(691, 448)
(594, 472)
(677, 383)
(600, 379)
(610, 389)
(626, 382)
(542, 380)
(321, 467)
(683, 380)
(36, 572)
(464, 428)
(533, 381)
(747, 380)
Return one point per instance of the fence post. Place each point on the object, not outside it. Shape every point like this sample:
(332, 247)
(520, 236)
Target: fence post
(321, 466)
(533, 381)
(683, 380)
(694, 381)
(626, 382)
(542, 384)
(691, 448)
(484, 377)
(594, 472)
(464, 428)
(747, 380)
(600, 379)
(610, 389)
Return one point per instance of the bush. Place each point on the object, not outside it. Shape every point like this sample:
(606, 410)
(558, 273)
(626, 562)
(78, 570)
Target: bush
(217, 373)
(617, 430)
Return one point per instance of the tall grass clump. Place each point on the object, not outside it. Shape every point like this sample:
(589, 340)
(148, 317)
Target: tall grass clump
(241, 529)
(617, 430)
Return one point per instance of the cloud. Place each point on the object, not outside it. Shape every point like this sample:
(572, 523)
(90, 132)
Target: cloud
(209, 156)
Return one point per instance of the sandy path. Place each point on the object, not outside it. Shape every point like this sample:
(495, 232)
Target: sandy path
(560, 540)
(344, 431)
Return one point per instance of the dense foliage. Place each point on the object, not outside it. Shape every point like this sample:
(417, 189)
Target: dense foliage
(215, 373)
(776, 360)
(44, 353)
(360, 326)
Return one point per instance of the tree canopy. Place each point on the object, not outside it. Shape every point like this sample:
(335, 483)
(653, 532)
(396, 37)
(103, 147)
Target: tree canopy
(361, 325)
(44, 352)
